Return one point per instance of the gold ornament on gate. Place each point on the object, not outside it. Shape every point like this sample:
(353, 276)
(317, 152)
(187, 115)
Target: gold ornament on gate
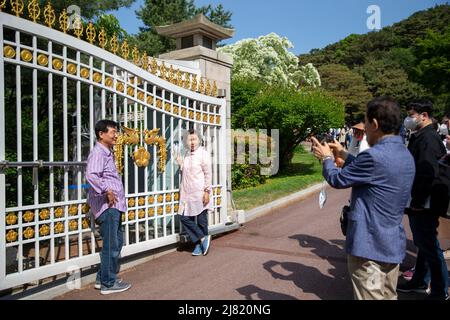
(57, 64)
(171, 74)
(141, 96)
(28, 233)
(191, 114)
(131, 215)
(131, 202)
(141, 201)
(114, 44)
(149, 100)
(2, 4)
(151, 212)
(97, 77)
(33, 10)
(84, 72)
(167, 107)
(194, 83)
(160, 211)
(42, 59)
(85, 223)
(154, 66)
(78, 26)
(202, 86)
(151, 199)
(162, 71)
(44, 214)
(119, 86)
(152, 138)
(73, 225)
(59, 227)
(208, 88)
(109, 82)
(176, 196)
(217, 119)
(102, 41)
(141, 157)
(141, 214)
(179, 78)
(214, 89)
(158, 103)
(90, 33)
(11, 218)
(198, 116)
(49, 15)
(9, 52)
(64, 21)
(144, 61)
(160, 198)
(135, 55)
(131, 136)
(71, 68)
(44, 230)
(125, 50)
(205, 118)
(73, 210)
(17, 7)
(11, 236)
(85, 208)
(28, 216)
(187, 81)
(176, 207)
(168, 197)
(26, 55)
(59, 213)
(176, 109)
(183, 112)
(168, 209)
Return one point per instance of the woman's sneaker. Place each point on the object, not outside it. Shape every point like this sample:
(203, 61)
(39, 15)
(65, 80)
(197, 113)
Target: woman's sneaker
(205, 244)
(98, 284)
(117, 287)
(197, 251)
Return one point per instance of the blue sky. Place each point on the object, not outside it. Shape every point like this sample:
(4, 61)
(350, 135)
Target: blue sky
(307, 24)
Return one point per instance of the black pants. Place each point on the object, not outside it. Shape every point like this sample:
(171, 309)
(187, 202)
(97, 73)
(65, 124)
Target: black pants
(196, 229)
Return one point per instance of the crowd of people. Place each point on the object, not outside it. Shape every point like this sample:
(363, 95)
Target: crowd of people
(403, 169)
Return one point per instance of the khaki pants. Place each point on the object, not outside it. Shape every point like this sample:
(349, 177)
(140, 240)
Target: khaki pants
(372, 280)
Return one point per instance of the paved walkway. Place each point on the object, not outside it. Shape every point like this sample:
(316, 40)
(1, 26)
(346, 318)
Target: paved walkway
(295, 253)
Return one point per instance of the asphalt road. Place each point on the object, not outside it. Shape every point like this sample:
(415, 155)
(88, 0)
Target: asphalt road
(294, 253)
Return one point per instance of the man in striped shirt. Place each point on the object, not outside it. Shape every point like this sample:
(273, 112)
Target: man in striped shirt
(106, 198)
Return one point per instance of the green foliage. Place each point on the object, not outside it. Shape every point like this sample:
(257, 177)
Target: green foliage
(296, 114)
(348, 87)
(242, 93)
(112, 26)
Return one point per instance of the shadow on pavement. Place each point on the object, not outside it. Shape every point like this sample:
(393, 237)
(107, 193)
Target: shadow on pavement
(252, 292)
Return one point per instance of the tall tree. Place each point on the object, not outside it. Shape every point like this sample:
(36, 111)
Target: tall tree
(348, 87)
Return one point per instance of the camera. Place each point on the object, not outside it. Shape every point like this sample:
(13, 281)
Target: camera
(324, 137)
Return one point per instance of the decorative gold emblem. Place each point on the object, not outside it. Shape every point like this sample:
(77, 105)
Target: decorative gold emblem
(144, 61)
(17, 7)
(44, 230)
(141, 201)
(205, 118)
(141, 214)
(102, 41)
(2, 4)
(26, 55)
(131, 215)
(130, 91)
(9, 52)
(44, 214)
(119, 86)
(131, 202)
(11, 236)
(158, 103)
(217, 119)
(162, 71)
(57, 64)
(73, 210)
(160, 198)
(214, 89)
(59, 227)
(59, 213)
(167, 107)
(33, 10)
(141, 157)
(49, 15)
(109, 82)
(187, 81)
(154, 66)
(202, 86)
(84, 72)
(131, 136)
(91, 33)
(114, 44)
(191, 114)
(168, 197)
(71, 68)
(176, 196)
(179, 78)
(176, 109)
(183, 112)
(208, 88)
(151, 199)
(211, 118)
(149, 100)
(194, 83)
(64, 21)
(123, 217)
(28, 233)
(168, 209)
(28, 216)
(78, 26)
(160, 211)
(73, 225)
(97, 77)
(151, 137)
(11, 218)
(171, 74)
(42, 59)
(125, 50)
(135, 55)
(218, 201)
(198, 116)
(151, 212)
(176, 207)
(85, 223)
(85, 208)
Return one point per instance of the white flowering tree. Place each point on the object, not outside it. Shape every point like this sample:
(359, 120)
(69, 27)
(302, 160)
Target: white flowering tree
(268, 59)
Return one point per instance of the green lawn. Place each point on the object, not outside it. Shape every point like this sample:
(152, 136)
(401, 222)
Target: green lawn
(304, 172)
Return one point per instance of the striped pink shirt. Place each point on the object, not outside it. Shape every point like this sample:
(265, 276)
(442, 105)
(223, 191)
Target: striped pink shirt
(102, 175)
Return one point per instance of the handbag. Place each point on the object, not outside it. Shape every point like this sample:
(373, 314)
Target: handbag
(343, 219)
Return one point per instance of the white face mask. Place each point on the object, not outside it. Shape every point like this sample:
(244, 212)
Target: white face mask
(410, 123)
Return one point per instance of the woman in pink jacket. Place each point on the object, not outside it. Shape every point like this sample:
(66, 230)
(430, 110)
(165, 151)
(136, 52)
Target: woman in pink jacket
(195, 192)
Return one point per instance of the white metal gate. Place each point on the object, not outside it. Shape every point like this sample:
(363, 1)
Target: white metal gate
(53, 89)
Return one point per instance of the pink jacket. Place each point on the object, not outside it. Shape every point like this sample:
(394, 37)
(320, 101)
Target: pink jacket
(196, 178)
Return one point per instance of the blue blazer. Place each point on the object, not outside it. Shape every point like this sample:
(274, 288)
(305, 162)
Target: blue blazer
(381, 179)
